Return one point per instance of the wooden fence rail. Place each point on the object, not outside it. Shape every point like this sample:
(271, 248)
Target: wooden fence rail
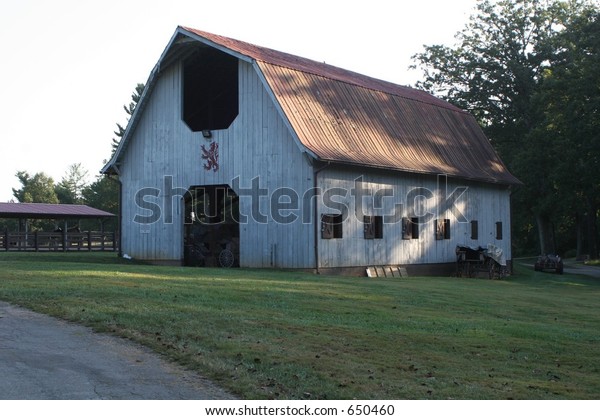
(58, 241)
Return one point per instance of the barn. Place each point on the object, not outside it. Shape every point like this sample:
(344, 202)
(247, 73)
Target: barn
(242, 155)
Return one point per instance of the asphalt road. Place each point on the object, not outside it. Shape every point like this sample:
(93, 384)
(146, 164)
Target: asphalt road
(587, 270)
(44, 358)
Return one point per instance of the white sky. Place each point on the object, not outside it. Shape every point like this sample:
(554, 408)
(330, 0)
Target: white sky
(67, 67)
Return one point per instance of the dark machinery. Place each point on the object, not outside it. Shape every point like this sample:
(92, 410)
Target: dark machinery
(549, 262)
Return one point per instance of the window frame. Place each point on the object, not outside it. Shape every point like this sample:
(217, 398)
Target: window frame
(373, 227)
(442, 229)
(332, 226)
(474, 229)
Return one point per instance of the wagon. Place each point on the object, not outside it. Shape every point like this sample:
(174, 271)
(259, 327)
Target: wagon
(212, 245)
(472, 261)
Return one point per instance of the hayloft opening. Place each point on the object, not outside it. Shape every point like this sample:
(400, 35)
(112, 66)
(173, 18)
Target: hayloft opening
(210, 90)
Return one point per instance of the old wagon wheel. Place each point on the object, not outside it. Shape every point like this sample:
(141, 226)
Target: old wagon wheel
(226, 258)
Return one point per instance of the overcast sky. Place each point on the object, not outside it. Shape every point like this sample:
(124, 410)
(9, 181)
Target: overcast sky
(68, 66)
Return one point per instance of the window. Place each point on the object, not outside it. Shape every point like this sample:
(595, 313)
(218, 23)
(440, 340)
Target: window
(442, 229)
(210, 90)
(498, 230)
(373, 227)
(410, 228)
(414, 222)
(331, 226)
(474, 229)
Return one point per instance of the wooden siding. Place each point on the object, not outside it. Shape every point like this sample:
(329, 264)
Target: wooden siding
(485, 203)
(163, 154)
(257, 144)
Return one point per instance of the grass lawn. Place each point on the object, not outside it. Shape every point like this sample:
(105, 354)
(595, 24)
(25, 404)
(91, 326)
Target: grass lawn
(288, 335)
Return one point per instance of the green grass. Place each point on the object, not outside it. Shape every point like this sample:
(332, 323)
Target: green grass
(276, 334)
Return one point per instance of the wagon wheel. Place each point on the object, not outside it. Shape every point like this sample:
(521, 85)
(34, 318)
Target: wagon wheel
(492, 268)
(226, 258)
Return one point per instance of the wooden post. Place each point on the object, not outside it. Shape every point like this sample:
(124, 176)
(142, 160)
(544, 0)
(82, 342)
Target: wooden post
(36, 241)
(89, 239)
(6, 239)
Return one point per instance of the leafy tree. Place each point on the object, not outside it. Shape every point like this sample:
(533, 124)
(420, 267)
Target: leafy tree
(103, 194)
(135, 98)
(496, 70)
(569, 104)
(35, 189)
(69, 189)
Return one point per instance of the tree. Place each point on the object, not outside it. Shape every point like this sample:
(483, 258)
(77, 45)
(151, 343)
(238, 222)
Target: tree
(35, 189)
(69, 189)
(569, 103)
(103, 194)
(495, 71)
(135, 98)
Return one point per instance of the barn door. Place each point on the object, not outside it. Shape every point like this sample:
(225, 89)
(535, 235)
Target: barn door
(211, 227)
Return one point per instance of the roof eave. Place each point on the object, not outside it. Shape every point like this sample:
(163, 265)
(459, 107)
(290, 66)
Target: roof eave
(111, 166)
(509, 181)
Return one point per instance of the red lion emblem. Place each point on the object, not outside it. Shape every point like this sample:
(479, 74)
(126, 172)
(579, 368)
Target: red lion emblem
(211, 156)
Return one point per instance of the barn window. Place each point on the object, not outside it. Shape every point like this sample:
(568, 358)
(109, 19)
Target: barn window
(442, 229)
(331, 226)
(210, 90)
(474, 229)
(410, 228)
(373, 227)
(414, 224)
(498, 230)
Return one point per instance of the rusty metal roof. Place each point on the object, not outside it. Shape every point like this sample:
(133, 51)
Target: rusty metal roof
(342, 116)
(50, 211)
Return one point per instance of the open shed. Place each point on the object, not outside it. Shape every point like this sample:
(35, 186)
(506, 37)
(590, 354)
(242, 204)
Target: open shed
(64, 237)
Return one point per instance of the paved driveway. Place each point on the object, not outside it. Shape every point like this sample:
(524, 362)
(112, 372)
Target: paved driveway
(588, 270)
(45, 358)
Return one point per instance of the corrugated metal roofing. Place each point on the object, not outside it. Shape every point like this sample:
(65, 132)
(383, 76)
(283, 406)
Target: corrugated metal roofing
(342, 116)
(346, 117)
(50, 211)
(306, 65)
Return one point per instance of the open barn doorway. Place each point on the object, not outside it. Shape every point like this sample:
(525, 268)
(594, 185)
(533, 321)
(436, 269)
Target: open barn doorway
(211, 230)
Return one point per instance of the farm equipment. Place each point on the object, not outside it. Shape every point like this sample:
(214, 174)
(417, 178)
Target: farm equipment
(549, 262)
(212, 245)
(489, 260)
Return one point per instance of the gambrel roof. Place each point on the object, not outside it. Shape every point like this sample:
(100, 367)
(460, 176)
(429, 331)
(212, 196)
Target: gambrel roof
(344, 117)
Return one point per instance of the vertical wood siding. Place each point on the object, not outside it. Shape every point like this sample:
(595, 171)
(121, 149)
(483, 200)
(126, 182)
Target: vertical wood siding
(257, 144)
(485, 203)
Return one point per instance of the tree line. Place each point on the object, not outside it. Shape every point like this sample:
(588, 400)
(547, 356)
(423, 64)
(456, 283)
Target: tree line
(529, 71)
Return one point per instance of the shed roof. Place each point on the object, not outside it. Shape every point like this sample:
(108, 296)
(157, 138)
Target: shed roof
(345, 117)
(50, 211)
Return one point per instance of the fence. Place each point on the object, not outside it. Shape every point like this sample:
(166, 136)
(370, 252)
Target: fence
(58, 241)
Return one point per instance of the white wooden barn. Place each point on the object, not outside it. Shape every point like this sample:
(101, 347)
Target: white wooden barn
(241, 154)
